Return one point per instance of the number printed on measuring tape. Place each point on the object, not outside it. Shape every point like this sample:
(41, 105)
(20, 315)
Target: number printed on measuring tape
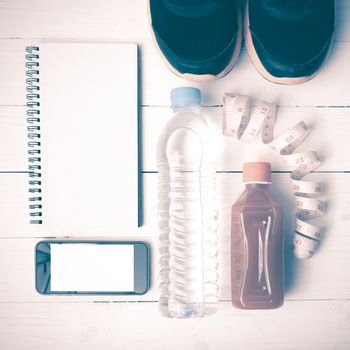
(239, 123)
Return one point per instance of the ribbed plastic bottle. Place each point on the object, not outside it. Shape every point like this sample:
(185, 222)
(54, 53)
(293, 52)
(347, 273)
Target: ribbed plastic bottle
(187, 210)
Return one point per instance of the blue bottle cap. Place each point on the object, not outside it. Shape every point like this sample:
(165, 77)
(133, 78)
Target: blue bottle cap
(185, 96)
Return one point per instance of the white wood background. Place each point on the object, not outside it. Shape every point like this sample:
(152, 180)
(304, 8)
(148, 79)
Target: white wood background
(316, 314)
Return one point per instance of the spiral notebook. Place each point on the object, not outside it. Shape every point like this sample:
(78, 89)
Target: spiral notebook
(83, 130)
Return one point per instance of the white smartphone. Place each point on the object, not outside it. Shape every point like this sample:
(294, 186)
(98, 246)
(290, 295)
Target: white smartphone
(92, 267)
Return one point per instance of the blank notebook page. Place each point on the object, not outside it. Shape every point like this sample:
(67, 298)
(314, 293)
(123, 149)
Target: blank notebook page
(89, 142)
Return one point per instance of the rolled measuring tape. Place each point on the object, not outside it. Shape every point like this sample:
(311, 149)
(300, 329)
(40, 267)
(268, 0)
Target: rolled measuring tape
(239, 122)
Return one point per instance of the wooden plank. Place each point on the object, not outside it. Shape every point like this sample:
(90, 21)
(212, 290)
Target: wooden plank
(321, 325)
(331, 125)
(118, 20)
(29, 320)
(321, 277)
(14, 203)
(329, 88)
(99, 19)
(13, 139)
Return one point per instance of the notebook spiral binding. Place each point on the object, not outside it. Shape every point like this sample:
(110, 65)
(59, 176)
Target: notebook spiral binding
(33, 129)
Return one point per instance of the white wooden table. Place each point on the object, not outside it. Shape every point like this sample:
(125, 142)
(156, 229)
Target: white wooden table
(316, 314)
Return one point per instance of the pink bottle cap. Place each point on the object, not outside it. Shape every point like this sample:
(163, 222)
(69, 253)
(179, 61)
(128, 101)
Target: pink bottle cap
(257, 172)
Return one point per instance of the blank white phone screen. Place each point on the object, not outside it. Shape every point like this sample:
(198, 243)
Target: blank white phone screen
(88, 267)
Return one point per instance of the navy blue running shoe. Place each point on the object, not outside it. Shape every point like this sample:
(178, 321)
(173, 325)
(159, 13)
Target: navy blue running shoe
(289, 40)
(199, 40)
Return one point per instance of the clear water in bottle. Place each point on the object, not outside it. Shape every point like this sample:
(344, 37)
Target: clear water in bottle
(187, 210)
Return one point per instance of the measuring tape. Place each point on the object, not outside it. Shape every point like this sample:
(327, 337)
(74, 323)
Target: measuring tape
(239, 122)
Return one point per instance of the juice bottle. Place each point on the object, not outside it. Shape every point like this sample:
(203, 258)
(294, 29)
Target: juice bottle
(257, 272)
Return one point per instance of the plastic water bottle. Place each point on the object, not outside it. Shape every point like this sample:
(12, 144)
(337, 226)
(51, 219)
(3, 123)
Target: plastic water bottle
(187, 210)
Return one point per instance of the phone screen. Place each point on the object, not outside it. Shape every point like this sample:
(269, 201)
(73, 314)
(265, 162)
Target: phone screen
(92, 267)
(85, 267)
